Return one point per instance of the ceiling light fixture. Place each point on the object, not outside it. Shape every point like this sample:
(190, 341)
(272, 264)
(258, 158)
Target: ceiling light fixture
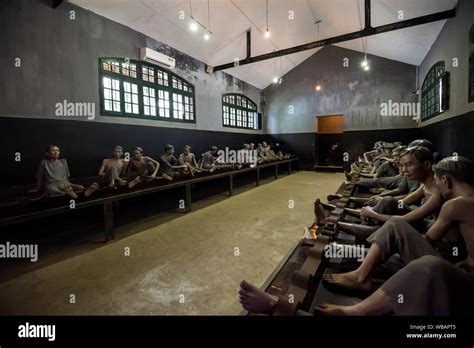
(275, 79)
(365, 63)
(193, 26)
(207, 35)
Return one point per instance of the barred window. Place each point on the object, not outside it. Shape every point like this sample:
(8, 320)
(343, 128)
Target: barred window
(238, 111)
(435, 92)
(137, 89)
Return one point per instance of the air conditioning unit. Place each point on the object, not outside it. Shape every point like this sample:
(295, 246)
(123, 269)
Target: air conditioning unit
(151, 56)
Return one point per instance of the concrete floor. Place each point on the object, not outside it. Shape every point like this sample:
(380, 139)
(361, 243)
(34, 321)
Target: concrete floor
(190, 265)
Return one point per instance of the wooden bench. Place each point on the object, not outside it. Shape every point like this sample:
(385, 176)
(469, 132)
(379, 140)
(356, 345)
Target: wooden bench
(107, 199)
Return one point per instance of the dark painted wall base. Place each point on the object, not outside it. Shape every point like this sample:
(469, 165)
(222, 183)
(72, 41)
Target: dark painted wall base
(358, 142)
(85, 144)
(452, 135)
(448, 136)
(300, 144)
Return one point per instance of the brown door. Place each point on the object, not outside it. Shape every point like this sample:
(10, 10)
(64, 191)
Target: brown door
(329, 140)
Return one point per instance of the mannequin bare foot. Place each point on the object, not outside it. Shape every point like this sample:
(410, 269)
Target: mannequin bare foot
(70, 192)
(330, 309)
(255, 300)
(167, 177)
(122, 182)
(91, 189)
(349, 281)
(309, 236)
(319, 215)
(134, 182)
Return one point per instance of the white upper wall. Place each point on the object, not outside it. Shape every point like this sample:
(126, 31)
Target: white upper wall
(229, 21)
(453, 42)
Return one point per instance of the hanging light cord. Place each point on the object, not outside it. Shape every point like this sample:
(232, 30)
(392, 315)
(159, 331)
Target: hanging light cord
(267, 12)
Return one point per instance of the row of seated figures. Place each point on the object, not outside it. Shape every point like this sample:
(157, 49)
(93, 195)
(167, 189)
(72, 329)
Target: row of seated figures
(52, 177)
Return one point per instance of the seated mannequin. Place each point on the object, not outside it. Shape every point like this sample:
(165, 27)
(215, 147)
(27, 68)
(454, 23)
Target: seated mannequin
(430, 285)
(140, 167)
(260, 154)
(448, 287)
(189, 159)
(110, 172)
(242, 157)
(319, 220)
(396, 186)
(53, 176)
(417, 164)
(169, 164)
(209, 160)
(265, 155)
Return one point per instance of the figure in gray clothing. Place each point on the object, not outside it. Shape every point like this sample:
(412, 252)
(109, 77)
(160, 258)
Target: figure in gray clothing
(53, 176)
(169, 164)
(428, 284)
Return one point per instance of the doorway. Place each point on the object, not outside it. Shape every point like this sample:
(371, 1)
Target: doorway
(328, 141)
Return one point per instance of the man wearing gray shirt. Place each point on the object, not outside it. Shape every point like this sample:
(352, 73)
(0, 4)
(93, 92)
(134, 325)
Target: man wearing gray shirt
(53, 175)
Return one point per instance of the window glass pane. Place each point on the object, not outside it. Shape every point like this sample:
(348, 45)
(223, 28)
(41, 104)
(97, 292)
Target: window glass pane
(148, 101)
(163, 103)
(107, 82)
(115, 67)
(108, 105)
(131, 98)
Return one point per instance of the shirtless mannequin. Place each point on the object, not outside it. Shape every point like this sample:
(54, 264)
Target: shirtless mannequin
(454, 178)
(141, 167)
(189, 159)
(416, 163)
(53, 176)
(449, 288)
(109, 172)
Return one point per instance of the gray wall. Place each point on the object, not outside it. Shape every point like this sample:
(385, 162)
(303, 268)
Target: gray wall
(453, 42)
(345, 90)
(59, 61)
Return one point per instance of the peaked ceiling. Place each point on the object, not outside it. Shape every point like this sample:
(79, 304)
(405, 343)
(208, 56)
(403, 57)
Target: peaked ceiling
(230, 19)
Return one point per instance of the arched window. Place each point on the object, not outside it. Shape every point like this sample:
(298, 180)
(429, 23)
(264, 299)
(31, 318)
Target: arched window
(238, 111)
(137, 89)
(435, 92)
